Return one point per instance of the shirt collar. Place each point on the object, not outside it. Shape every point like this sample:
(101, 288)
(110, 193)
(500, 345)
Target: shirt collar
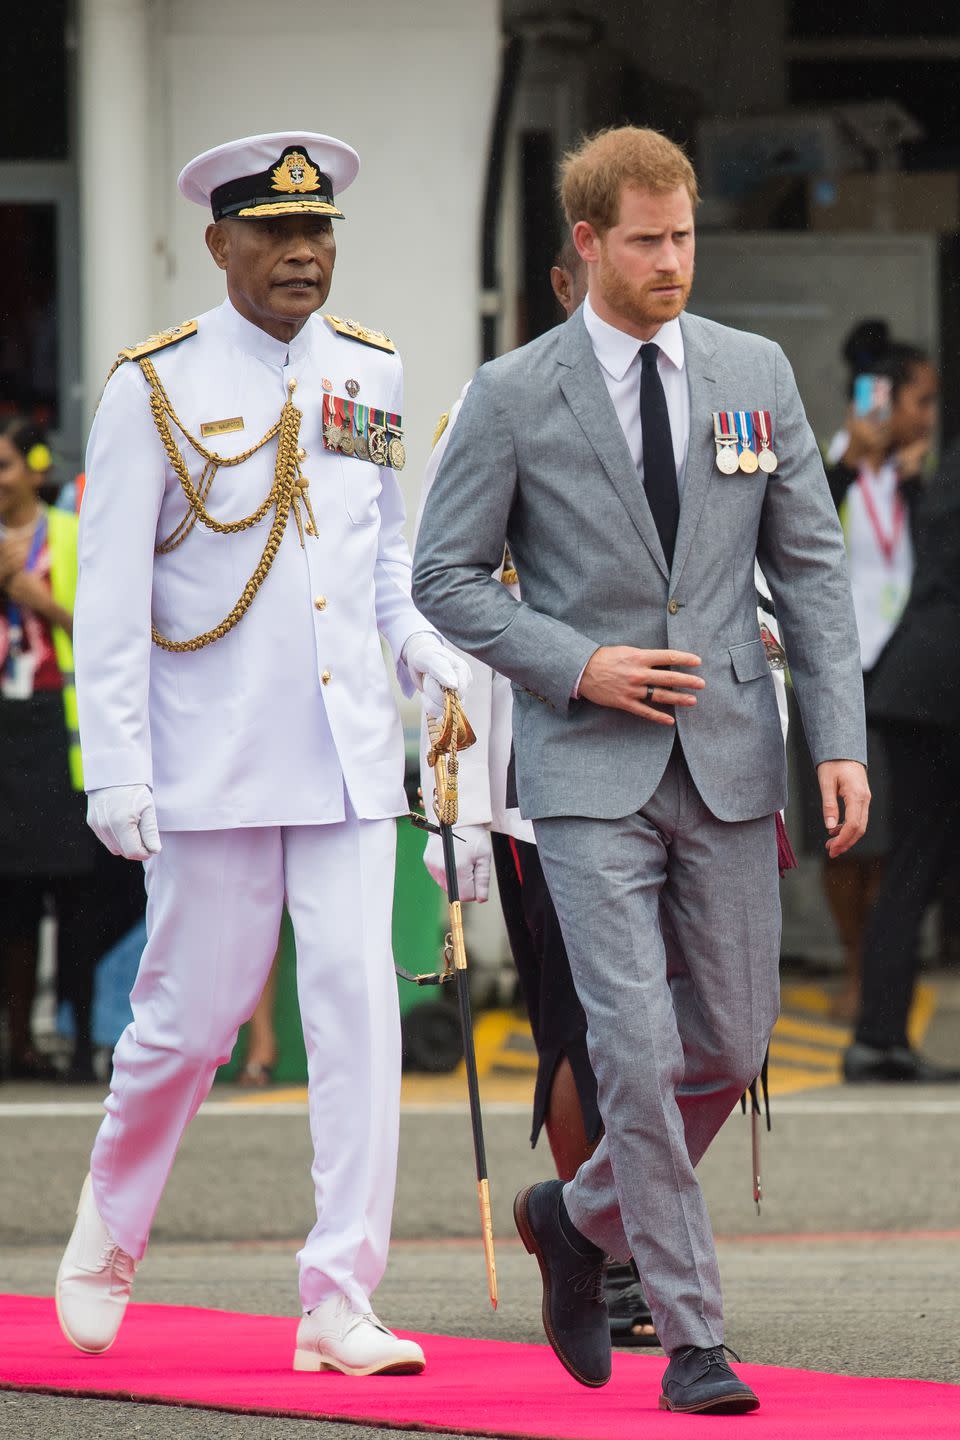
(254, 341)
(616, 350)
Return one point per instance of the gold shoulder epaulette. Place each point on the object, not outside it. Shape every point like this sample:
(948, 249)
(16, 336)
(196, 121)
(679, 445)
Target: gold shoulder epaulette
(160, 341)
(441, 426)
(353, 331)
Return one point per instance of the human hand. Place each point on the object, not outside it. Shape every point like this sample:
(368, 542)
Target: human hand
(474, 854)
(434, 668)
(910, 458)
(13, 557)
(868, 440)
(843, 781)
(124, 819)
(26, 588)
(627, 679)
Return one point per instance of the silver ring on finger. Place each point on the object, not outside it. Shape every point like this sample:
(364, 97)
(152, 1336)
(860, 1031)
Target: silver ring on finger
(649, 695)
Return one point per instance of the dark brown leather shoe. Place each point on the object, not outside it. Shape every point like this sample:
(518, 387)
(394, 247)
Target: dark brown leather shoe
(700, 1381)
(574, 1313)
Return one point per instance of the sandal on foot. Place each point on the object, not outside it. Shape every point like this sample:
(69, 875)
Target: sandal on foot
(627, 1307)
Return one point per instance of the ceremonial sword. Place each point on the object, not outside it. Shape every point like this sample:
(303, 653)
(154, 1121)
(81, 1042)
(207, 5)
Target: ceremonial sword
(448, 735)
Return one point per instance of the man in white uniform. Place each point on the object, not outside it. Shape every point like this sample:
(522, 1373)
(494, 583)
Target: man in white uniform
(241, 554)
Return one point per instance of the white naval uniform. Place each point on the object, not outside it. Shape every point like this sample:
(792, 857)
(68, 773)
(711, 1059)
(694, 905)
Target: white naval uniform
(483, 768)
(276, 761)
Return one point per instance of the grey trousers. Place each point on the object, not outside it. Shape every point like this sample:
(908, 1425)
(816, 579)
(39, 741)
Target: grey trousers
(671, 920)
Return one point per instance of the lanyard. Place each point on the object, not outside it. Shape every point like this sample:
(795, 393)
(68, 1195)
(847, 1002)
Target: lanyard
(886, 542)
(14, 619)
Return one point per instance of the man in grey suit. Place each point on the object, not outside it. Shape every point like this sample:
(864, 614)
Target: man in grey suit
(647, 739)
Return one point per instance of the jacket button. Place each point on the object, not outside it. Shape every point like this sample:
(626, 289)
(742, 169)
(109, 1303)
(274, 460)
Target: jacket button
(673, 607)
(320, 603)
(325, 677)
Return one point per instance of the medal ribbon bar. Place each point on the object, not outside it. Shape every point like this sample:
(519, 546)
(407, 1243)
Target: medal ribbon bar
(763, 427)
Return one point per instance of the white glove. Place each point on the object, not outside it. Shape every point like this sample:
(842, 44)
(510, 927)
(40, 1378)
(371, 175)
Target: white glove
(434, 668)
(473, 852)
(123, 818)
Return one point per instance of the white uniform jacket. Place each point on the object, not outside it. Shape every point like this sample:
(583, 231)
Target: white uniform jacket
(483, 768)
(266, 725)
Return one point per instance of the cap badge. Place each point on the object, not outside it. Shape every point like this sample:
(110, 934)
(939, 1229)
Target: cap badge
(295, 174)
(352, 388)
(327, 384)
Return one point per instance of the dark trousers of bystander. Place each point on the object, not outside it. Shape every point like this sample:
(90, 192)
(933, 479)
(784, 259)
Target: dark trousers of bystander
(924, 764)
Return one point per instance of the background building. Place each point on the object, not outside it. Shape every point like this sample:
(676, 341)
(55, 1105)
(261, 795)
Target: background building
(827, 138)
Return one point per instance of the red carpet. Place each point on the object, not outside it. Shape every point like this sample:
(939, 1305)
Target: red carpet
(223, 1361)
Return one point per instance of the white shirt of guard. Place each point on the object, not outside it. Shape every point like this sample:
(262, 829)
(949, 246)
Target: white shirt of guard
(247, 731)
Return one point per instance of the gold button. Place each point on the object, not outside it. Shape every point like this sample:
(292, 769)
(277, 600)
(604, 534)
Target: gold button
(320, 603)
(673, 607)
(301, 454)
(325, 677)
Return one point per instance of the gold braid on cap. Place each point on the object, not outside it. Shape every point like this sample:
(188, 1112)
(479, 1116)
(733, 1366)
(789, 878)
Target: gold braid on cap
(288, 491)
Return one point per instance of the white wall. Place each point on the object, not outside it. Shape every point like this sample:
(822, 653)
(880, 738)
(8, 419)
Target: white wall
(409, 83)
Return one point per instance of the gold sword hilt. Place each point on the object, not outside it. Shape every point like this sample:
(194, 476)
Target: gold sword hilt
(449, 734)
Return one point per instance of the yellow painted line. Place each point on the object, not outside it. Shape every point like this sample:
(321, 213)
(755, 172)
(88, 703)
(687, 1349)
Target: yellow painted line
(806, 997)
(787, 1081)
(805, 1055)
(295, 1094)
(448, 1089)
(490, 1031)
(510, 1060)
(921, 1013)
(835, 1037)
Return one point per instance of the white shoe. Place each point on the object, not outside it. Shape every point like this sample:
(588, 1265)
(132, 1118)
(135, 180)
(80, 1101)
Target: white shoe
(94, 1280)
(334, 1337)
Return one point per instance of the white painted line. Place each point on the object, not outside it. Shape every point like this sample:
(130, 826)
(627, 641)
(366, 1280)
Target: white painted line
(878, 1106)
(219, 1109)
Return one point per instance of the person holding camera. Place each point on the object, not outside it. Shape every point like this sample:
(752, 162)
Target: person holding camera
(875, 468)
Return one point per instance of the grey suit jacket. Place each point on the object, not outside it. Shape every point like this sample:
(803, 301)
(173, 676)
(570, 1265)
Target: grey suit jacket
(538, 459)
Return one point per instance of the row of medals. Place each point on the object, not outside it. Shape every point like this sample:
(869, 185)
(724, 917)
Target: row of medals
(748, 461)
(375, 445)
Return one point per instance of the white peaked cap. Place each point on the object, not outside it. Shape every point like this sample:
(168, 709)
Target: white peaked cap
(261, 176)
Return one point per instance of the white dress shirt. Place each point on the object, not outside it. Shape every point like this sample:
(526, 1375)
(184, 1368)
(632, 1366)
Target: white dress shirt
(880, 582)
(618, 355)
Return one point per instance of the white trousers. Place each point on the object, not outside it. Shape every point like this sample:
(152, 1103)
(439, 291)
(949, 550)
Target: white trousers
(214, 902)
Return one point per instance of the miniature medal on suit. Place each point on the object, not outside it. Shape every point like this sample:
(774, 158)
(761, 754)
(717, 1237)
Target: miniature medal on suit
(743, 439)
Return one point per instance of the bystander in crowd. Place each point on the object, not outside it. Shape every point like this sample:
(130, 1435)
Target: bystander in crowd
(913, 701)
(876, 469)
(47, 854)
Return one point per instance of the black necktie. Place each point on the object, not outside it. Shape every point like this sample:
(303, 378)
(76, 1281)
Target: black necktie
(659, 467)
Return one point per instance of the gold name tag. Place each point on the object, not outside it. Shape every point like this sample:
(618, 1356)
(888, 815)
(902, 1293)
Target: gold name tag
(221, 427)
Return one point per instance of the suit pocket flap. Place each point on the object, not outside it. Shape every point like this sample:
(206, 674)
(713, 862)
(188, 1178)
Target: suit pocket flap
(749, 660)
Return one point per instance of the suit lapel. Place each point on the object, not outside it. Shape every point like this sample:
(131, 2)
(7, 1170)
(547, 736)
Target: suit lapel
(583, 387)
(699, 363)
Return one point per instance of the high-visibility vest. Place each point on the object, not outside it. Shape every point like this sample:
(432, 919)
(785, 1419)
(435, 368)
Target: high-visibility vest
(62, 540)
